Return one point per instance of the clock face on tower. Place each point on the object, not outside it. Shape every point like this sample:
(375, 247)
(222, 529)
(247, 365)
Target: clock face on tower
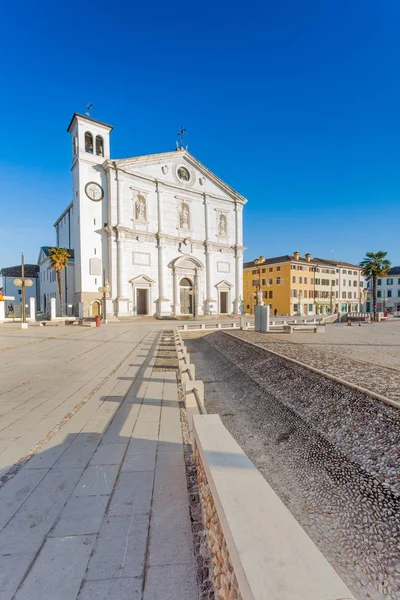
(94, 191)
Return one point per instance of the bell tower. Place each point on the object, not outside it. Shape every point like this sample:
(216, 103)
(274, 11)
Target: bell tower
(90, 149)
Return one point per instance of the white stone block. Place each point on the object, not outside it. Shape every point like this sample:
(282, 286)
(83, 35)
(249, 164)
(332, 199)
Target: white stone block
(52, 309)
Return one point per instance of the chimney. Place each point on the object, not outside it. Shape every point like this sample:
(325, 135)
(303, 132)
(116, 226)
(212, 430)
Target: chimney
(296, 255)
(308, 257)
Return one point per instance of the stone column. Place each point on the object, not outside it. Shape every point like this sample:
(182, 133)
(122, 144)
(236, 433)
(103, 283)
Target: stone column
(176, 293)
(196, 297)
(32, 309)
(52, 309)
(209, 300)
(163, 307)
(238, 291)
(122, 301)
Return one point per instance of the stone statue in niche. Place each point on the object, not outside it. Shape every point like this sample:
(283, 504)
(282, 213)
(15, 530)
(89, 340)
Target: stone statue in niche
(140, 209)
(222, 225)
(184, 217)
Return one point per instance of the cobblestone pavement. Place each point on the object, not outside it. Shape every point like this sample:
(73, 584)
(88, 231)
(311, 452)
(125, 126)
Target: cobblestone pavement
(338, 360)
(330, 453)
(101, 510)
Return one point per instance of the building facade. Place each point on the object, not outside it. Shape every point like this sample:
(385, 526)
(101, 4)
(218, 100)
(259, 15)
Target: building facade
(8, 274)
(297, 285)
(162, 230)
(48, 284)
(387, 292)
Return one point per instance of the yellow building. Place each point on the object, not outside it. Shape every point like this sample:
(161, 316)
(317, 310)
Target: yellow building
(291, 284)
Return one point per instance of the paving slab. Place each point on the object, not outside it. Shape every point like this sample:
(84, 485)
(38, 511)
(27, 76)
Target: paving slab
(97, 480)
(13, 567)
(146, 444)
(57, 572)
(126, 588)
(81, 515)
(139, 462)
(15, 493)
(170, 582)
(109, 454)
(27, 529)
(132, 494)
(120, 548)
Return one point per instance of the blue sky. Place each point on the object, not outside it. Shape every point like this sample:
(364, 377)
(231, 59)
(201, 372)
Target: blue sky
(296, 104)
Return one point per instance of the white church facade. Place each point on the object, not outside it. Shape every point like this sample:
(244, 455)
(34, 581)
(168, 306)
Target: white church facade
(161, 230)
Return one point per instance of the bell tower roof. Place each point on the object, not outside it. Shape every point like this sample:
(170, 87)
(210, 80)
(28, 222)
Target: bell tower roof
(89, 119)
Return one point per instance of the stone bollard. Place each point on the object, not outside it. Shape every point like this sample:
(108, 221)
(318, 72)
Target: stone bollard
(52, 309)
(32, 309)
(2, 311)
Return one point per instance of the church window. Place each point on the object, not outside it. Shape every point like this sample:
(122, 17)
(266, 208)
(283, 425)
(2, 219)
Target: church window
(99, 145)
(75, 144)
(88, 142)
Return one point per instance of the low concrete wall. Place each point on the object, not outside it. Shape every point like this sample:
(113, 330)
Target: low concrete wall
(193, 389)
(258, 549)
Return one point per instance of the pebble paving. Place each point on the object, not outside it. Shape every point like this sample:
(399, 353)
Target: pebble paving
(376, 378)
(330, 452)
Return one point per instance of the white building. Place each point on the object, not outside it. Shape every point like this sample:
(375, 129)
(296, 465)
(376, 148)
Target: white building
(348, 287)
(162, 229)
(387, 292)
(8, 274)
(48, 284)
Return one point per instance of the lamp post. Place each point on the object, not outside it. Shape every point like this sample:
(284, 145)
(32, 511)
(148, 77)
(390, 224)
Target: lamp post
(23, 283)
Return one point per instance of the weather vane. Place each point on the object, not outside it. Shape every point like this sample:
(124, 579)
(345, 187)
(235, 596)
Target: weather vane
(181, 133)
(89, 108)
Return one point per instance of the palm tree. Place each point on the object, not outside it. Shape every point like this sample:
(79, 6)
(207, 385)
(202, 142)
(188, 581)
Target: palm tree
(59, 260)
(374, 265)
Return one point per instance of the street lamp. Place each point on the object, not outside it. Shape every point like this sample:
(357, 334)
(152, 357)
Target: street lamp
(23, 283)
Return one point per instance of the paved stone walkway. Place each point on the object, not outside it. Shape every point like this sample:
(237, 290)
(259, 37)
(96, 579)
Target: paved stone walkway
(101, 511)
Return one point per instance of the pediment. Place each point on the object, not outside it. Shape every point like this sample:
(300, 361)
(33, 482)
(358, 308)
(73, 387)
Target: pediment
(180, 169)
(42, 256)
(224, 284)
(142, 279)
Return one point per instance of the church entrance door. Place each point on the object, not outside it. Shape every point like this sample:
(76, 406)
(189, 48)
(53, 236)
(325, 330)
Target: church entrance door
(96, 308)
(186, 297)
(223, 302)
(142, 302)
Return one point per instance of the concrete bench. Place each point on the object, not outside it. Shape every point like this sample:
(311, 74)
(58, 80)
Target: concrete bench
(254, 540)
(303, 327)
